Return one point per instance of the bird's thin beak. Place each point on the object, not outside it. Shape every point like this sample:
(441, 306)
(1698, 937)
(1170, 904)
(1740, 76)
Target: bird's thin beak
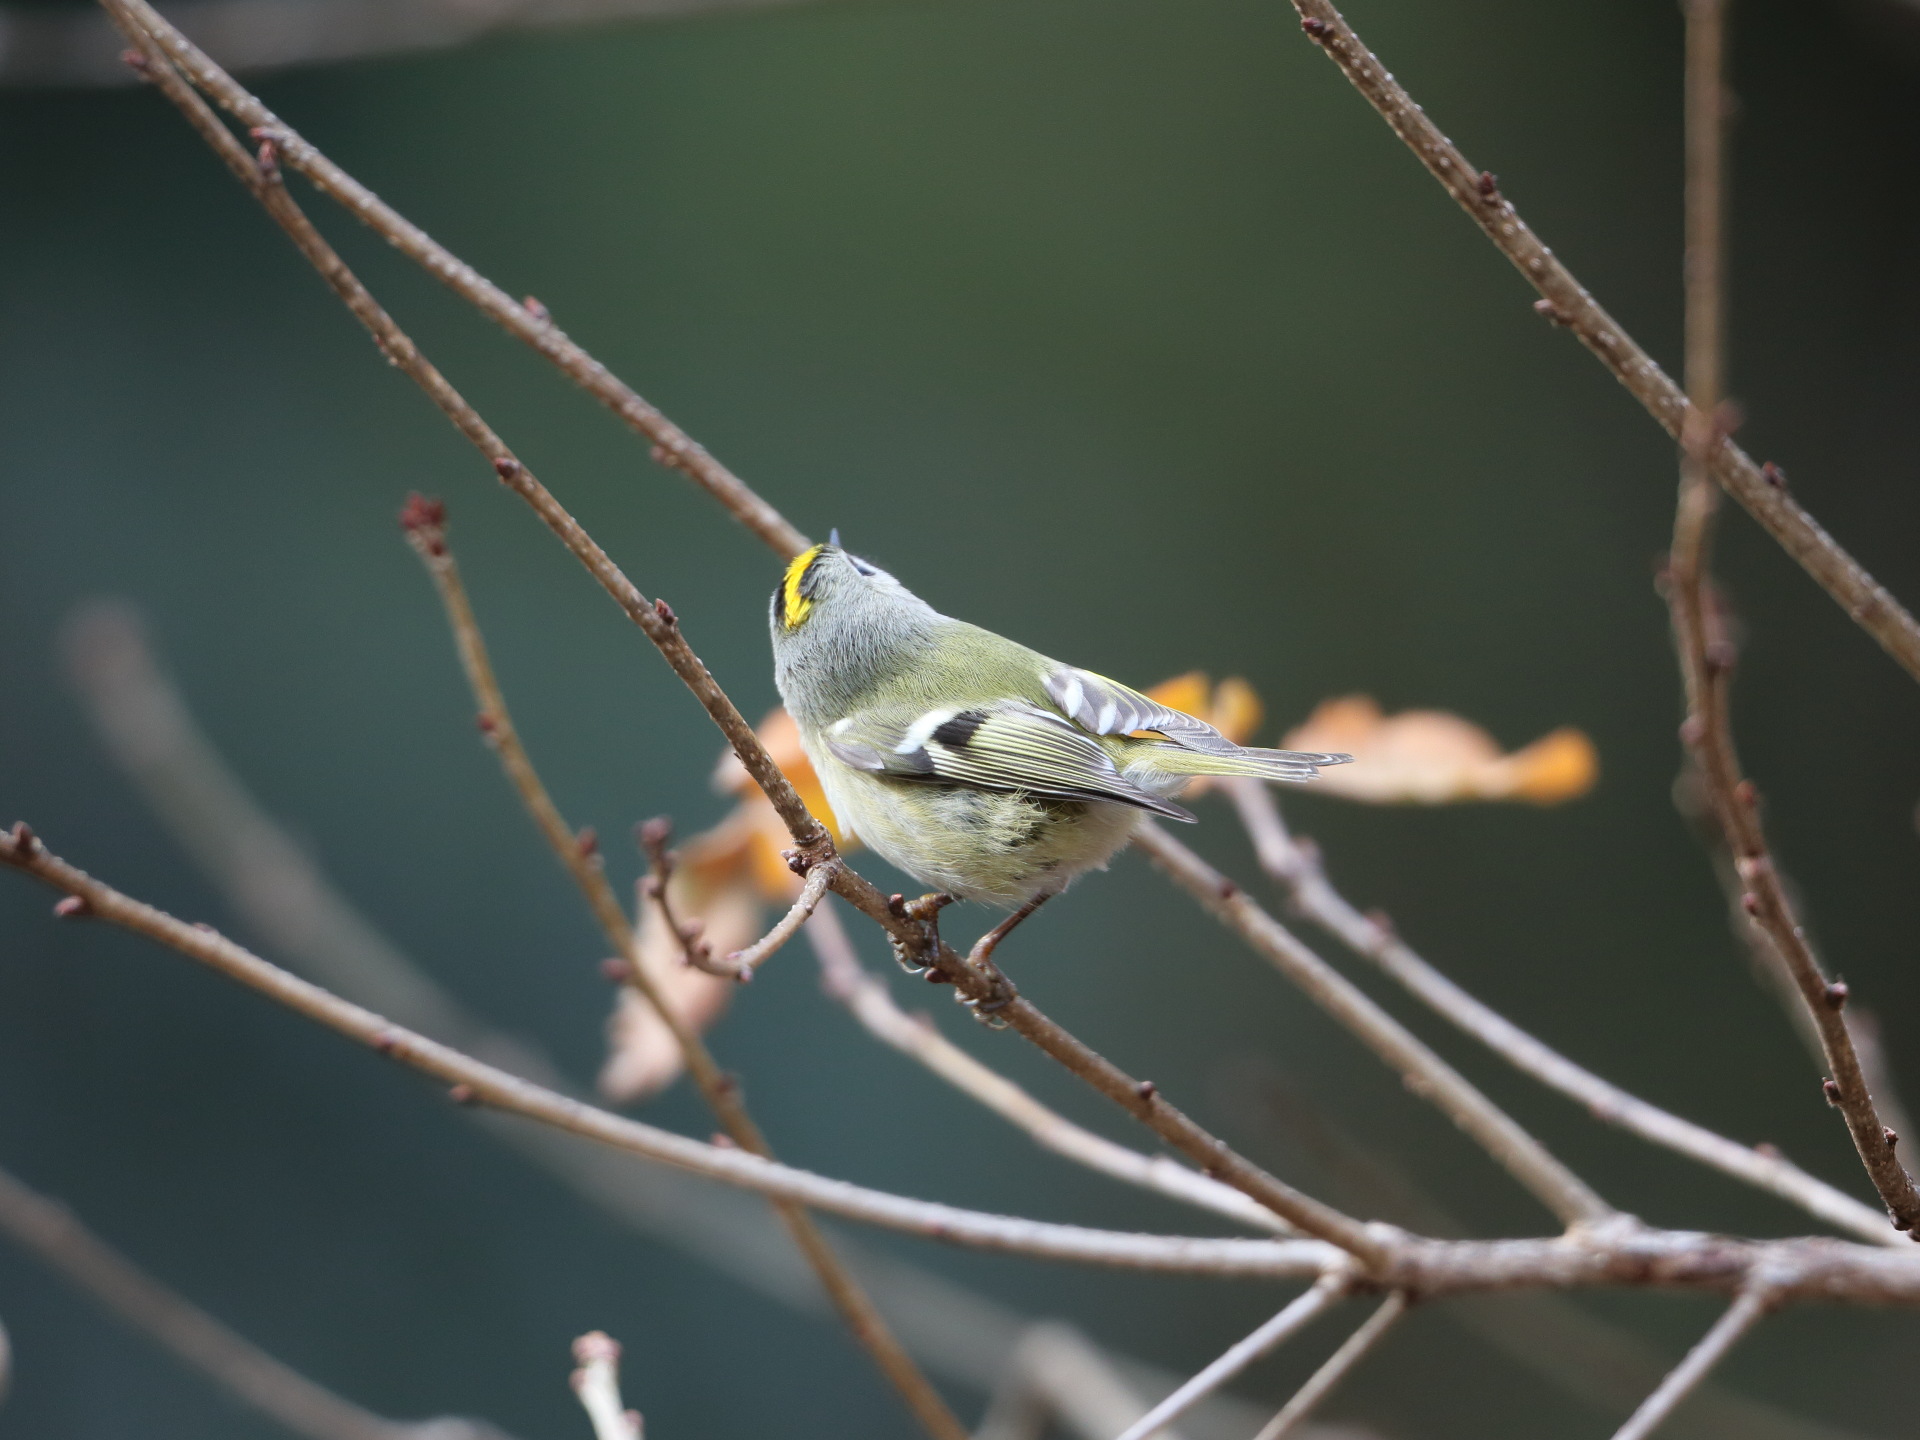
(833, 537)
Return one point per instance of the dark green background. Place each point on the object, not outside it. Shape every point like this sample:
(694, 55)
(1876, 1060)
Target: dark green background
(1123, 327)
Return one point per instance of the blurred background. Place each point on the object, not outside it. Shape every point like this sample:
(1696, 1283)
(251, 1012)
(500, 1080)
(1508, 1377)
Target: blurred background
(1124, 328)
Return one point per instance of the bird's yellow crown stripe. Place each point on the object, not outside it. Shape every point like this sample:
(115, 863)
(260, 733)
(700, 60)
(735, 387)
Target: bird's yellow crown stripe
(793, 605)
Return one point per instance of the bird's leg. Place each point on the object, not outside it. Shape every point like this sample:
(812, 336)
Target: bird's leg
(1003, 994)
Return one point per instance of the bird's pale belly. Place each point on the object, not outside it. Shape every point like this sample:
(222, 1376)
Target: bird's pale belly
(999, 846)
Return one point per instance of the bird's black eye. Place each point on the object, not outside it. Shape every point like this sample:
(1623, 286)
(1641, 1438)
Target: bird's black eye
(863, 567)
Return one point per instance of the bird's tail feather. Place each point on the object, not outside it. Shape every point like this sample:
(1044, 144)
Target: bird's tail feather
(1289, 765)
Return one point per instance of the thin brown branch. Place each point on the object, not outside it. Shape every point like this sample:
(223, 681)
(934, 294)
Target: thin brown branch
(1760, 490)
(472, 1082)
(1746, 1311)
(979, 986)
(597, 1385)
(232, 1362)
(528, 322)
(1425, 1073)
(424, 522)
(870, 1002)
(1706, 653)
(42, 46)
(1289, 1321)
(1323, 1381)
(812, 892)
(1297, 866)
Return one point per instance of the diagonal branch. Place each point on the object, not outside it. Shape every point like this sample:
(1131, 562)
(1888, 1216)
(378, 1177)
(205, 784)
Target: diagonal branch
(1295, 1317)
(57, 1236)
(528, 322)
(1740, 1317)
(1706, 658)
(867, 997)
(1424, 1072)
(1322, 1382)
(1294, 864)
(1760, 490)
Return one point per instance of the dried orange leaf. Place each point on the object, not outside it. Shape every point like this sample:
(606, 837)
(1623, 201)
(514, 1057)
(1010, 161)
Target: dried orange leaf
(1430, 757)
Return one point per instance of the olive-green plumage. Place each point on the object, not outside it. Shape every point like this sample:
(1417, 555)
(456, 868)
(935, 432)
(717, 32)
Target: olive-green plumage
(976, 765)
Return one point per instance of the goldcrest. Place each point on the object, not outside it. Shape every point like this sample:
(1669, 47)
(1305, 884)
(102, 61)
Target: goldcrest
(976, 765)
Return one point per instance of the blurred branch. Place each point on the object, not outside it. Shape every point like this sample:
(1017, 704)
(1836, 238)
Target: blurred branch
(1424, 1072)
(528, 321)
(1323, 1381)
(236, 1365)
(1747, 1309)
(597, 1384)
(42, 47)
(870, 1002)
(1297, 866)
(1706, 652)
(1566, 303)
(282, 894)
(1327, 1292)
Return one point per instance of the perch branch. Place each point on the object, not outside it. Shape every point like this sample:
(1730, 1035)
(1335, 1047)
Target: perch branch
(1295, 1317)
(1706, 658)
(870, 1002)
(1322, 1382)
(239, 1367)
(1760, 490)
(1741, 1316)
(1620, 1252)
(1424, 1072)
(597, 1384)
(527, 322)
(1297, 866)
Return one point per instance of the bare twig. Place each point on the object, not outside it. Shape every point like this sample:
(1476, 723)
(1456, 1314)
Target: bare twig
(1295, 1317)
(597, 1383)
(1424, 1072)
(239, 1367)
(1565, 302)
(41, 46)
(1747, 1309)
(812, 892)
(1322, 1382)
(1297, 866)
(846, 980)
(530, 323)
(1706, 658)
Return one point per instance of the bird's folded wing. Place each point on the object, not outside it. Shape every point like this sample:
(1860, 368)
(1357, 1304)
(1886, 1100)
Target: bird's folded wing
(1006, 746)
(1106, 707)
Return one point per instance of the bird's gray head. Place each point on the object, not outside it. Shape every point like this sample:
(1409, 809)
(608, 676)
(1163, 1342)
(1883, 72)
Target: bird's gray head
(839, 625)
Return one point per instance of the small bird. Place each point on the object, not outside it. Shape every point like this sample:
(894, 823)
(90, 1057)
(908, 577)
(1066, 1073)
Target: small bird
(978, 766)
